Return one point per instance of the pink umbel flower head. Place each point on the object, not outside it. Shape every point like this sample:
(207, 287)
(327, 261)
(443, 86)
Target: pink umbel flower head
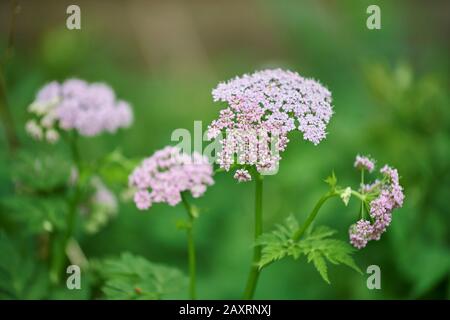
(262, 108)
(363, 162)
(386, 194)
(166, 174)
(90, 109)
(360, 233)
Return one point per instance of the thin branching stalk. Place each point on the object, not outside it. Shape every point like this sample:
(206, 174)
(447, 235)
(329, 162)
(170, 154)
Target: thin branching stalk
(301, 230)
(299, 233)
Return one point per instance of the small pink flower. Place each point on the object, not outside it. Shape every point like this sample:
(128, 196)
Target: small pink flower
(242, 175)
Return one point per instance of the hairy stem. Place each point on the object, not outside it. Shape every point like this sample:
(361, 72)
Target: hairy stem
(59, 257)
(254, 270)
(191, 248)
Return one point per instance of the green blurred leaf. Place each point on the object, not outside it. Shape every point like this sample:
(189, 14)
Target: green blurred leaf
(41, 173)
(134, 277)
(20, 277)
(36, 214)
(115, 168)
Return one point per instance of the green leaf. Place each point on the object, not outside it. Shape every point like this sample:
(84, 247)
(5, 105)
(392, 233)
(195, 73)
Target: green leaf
(134, 277)
(278, 244)
(319, 262)
(331, 180)
(316, 246)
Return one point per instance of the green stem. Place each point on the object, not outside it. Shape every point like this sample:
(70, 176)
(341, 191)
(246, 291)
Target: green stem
(191, 248)
(362, 202)
(59, 257)
(299, 233)
(6, 115)
(254, 270)
(359, 195)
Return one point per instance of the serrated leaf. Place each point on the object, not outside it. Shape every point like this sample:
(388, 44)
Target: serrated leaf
(319, 262)
(321, 232)
(317, 247)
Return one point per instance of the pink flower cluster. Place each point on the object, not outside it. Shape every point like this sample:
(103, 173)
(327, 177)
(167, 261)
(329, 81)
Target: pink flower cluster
(75, 104)
(360, 233)
(166, 174)
(391, 197)
(362, 163)
(262, 109)
(388, 196)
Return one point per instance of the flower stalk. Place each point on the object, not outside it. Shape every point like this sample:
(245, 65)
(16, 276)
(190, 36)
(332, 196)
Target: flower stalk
(59, 256)
(191, 248)
(254, 270)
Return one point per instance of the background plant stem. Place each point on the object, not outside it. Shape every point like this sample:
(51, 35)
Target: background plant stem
(59, 257)
(5, 112)
(254, 270)
(191, 249)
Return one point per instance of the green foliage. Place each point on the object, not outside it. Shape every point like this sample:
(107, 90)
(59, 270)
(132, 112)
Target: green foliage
(317, 247)
(134, 277)
(115, 168)
(35, 214)
(20, 276)
(41, 173)
(98, 217)
(41, 186)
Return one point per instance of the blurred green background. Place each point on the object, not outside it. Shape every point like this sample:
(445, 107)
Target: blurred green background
(390, 93)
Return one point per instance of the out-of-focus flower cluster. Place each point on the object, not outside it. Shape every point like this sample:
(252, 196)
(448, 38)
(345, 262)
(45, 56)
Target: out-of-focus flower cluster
(166, 174)
(103, 205)
(90, 109)
(262, 109)
(386, 194)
